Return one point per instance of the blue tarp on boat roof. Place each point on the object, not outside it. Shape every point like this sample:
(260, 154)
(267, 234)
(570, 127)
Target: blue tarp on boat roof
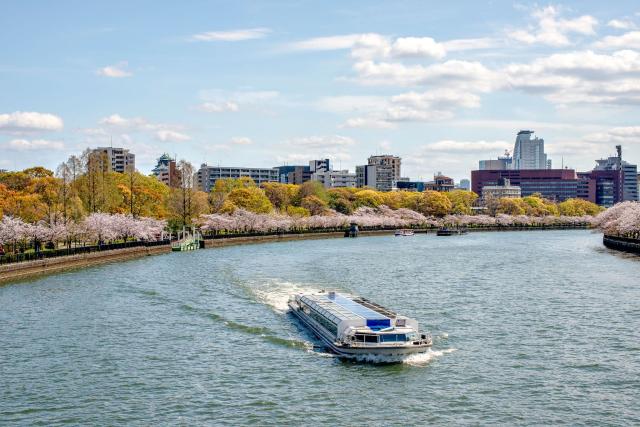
(374, 319)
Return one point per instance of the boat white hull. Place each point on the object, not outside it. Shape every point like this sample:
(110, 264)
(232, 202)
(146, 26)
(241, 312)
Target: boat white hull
(358, 352)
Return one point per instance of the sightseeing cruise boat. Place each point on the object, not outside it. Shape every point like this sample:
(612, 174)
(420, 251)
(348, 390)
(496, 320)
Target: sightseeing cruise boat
(404, 233)
(354, 327)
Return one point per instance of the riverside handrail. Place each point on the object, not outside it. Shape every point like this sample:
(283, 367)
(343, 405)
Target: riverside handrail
(34, 256)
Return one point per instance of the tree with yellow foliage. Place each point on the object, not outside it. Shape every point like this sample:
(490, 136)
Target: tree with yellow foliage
(433, 203)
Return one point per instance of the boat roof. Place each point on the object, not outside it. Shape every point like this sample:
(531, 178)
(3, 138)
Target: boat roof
(344, 307)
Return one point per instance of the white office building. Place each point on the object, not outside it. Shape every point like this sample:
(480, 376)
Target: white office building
(207, 176)
(529, 153)
(335, 179)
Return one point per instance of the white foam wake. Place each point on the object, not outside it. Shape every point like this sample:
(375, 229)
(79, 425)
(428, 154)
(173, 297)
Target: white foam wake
(423, 359)
(276, 293)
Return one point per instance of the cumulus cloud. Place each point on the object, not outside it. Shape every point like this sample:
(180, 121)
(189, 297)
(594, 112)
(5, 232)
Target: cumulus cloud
(418, 47)
(552, 30)
(630, 40)
(29, 121)
(621, 24)
(170, 135)
(241, 140)
(464, 75)
(579, 77)
(232, 35)
(35, 144)
(118, 70)
(368, 46)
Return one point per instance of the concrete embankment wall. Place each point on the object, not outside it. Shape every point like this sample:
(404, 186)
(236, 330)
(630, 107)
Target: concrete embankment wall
(27, 269)
(622, 244)
(216, 243)
(24, 270)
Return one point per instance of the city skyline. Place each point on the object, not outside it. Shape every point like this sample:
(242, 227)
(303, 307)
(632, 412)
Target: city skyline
(263, 85)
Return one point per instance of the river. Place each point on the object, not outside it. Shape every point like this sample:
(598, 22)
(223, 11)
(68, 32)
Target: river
(538, 327)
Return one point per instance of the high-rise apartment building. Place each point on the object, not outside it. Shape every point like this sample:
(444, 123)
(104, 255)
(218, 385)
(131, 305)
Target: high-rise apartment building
(382, 173)
(117, 159)
(529, 153)
(388, 160)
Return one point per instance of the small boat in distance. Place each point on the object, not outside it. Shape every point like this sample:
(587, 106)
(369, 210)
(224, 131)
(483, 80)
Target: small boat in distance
(355, 327)
(450, 231)
(404, 233)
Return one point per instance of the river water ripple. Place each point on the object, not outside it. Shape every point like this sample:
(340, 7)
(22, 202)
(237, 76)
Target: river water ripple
(529, 328)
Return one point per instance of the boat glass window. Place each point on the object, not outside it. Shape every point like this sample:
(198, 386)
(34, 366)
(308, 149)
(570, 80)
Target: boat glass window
(371, 338)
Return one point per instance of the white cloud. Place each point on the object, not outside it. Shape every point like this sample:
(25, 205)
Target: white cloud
(553, 31)
(347, 41)
(170, 135)
(625, 134)
(241, 140)
(383, 113)
(630, 40)
(463, 75)
(232, 35)
(368, 122)
(115, 71)
(417, 46)
(219, 107)
(35, 144)
(621, 24)
(134, 123)
(580, 77)
(368, 46)
(26, 121)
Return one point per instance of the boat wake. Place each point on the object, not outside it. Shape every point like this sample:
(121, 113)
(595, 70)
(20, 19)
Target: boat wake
(276, 294)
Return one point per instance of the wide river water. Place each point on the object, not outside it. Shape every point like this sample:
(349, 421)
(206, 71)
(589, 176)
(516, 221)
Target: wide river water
(537, 327)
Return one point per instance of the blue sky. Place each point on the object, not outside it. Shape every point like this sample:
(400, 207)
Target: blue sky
(268, 83)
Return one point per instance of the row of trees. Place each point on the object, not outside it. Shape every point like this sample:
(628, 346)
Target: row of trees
(622, 219)
(243, 221)
(16, 234)
(85, 185)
